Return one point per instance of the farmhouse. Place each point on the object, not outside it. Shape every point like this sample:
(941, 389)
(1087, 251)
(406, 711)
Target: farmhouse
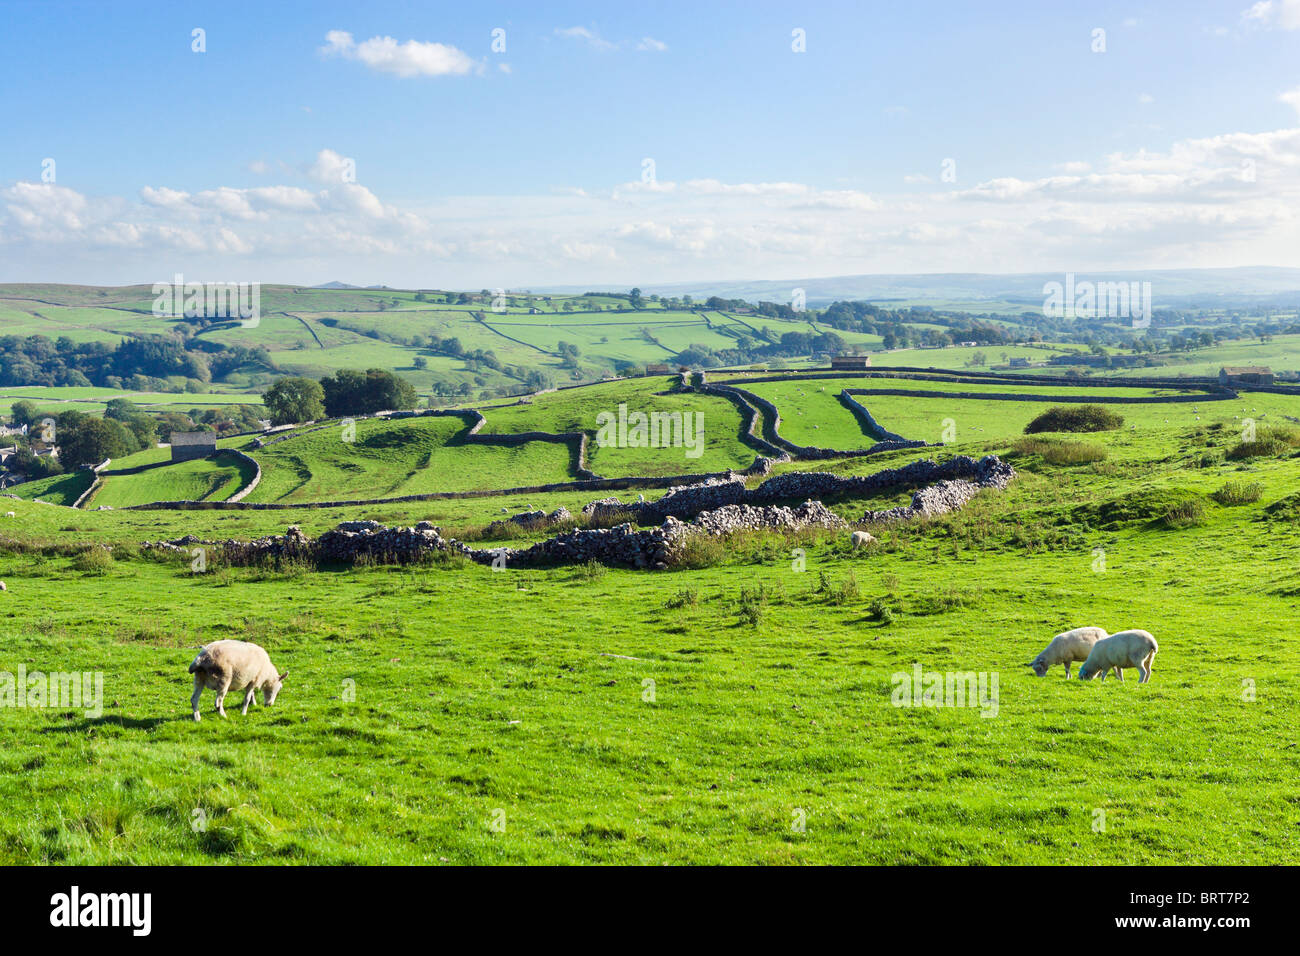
(1245, 375)
(1020, 363)
(187, 446)
(850, 361)
(658, 368)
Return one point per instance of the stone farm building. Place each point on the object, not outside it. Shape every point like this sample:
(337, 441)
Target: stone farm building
(850, 361)
(190, 445)
(1245, 375)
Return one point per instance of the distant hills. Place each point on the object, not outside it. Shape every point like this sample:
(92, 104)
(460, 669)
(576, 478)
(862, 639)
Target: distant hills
(1171, 288)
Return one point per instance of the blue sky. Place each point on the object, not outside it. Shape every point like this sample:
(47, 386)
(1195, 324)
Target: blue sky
(1176, 146)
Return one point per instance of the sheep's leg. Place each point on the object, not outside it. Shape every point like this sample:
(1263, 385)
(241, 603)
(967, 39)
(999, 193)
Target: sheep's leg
(1119, 674)
(1067, 670)
(221, 697)
(198, 692)
(248, 699)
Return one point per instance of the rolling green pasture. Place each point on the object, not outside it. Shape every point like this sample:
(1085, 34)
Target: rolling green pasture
(203, 479)
(812, 414)
(577, 410)
(487, 698)
(56, 399)
(401, 457)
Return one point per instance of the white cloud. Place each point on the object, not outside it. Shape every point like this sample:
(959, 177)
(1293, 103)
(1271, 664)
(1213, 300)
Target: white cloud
(412, 58)
(1232, 199)
(590, 37)
(331, 168)
(1283, 14)
(1292, 99)
(1146, 99)
(651, 45)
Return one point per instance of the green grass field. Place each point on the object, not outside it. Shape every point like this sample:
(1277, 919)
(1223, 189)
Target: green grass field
(204, 479)
(448, 713)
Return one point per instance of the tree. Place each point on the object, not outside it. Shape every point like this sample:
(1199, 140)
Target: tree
(350, 391)
(292, 400)
(24, 413)
(83, 440)
(421, 362)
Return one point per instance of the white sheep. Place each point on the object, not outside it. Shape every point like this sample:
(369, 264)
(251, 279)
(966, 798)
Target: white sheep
(1126, 649)
(10, 514)
(241, 665)
(861, 539)
(1068, 647)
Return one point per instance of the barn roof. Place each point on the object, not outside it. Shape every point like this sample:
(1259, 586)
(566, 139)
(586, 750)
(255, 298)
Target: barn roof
(194, 438)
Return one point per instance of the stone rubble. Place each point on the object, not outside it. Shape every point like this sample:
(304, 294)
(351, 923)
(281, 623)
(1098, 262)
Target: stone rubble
(714, 507)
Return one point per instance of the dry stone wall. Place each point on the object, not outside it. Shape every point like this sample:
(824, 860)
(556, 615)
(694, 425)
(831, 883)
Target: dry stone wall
(715, 508)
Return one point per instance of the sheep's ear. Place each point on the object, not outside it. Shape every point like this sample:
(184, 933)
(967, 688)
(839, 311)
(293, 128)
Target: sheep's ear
(284, 675)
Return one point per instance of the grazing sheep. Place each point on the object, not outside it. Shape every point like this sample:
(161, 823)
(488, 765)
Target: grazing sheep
(241, 665)
(10, 514)
(1068, 647)
(1125, 649)
(861, 539)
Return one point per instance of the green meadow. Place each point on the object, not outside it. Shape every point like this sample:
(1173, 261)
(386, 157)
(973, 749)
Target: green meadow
(740, 708)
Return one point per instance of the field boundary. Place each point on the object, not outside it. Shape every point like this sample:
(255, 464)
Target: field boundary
(772, 428)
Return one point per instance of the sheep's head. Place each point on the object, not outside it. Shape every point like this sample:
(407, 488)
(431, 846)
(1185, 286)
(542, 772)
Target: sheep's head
(271, 691)
(1039, 666)
(1085, 673)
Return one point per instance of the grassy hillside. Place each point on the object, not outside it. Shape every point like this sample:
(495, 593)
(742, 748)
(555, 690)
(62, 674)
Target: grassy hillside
(204, 479)
(404, 457)
(523, 696)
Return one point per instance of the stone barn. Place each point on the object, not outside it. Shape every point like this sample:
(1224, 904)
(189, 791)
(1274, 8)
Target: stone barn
(851, 362)
(1245, 375)
(187, 446)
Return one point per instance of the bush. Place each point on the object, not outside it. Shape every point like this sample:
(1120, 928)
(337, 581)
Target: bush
(1185, 514)
(1075, 418)
(1239, 493)
(686, 597)
(1268, 443)
(94, 560)
(699, 551)
(882, 612)
(1059, 452)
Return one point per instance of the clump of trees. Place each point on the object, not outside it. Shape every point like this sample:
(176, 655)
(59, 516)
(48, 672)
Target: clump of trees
(146, 362)
(351, 391)
(294, 399)
(1075, 418)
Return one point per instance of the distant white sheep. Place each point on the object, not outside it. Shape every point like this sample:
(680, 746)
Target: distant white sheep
(1126, 649)
(241, 665)
(10, 514)
(1068, 647)
(861, 539)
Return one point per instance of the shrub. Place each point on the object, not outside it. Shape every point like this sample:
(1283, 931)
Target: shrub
(699, 551)
(880, 611)
(1061, 452)
(752, 604)
(94, 560)
(1268, 442)
(1185, 514)
(683, 598)
(1075, 418)
(1239, 493)
(589, 571)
